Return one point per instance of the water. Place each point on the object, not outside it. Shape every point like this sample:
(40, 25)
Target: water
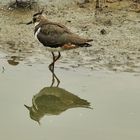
(114, 98)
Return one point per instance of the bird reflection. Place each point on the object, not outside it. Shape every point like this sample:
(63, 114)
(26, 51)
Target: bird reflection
(54, 77)
(54, 100)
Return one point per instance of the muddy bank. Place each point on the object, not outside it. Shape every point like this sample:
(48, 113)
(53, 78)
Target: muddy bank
(116, 48)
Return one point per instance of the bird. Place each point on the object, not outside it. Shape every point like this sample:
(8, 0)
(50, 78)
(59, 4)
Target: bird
(55, 37)
(54, 101)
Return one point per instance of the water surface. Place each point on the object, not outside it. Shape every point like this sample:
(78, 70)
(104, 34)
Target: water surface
(114, 98)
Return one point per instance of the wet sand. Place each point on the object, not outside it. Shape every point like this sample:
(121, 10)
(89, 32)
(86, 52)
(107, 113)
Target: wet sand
(116, 50)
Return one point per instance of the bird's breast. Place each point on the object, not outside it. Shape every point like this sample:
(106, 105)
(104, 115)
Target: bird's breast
(36, 33)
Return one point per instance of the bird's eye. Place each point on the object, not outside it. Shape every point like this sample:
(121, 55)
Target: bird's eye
(34, 19)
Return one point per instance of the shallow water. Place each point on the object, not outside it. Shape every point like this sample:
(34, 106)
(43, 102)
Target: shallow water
(114, 98)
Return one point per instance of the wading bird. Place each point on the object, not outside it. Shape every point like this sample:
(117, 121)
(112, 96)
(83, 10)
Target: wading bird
(55, 36)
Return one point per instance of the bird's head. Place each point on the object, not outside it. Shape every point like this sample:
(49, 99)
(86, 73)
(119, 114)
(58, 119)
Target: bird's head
(37, 18)
(34, 115)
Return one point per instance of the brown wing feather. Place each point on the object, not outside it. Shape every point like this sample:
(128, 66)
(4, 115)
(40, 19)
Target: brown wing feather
(55, 35)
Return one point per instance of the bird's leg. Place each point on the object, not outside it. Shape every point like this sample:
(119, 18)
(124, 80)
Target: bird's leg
(59, 55)
(53, 78)
(58, 81)
(51, 67)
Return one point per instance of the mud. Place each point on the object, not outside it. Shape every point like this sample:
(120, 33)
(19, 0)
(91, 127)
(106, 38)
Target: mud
(115, 31)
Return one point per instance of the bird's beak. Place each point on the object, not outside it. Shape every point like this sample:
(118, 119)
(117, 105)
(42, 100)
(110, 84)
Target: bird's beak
(29, 23)
(29, 108)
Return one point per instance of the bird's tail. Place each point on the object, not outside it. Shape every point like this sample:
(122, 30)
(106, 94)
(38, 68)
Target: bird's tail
(87, 44)
(89, 40)
(82, 103)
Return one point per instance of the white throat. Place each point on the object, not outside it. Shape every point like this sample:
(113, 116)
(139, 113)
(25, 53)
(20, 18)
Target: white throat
(36, 33)
(36, 23)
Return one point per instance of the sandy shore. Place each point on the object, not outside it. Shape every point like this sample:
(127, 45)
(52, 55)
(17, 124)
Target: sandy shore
(116, 50)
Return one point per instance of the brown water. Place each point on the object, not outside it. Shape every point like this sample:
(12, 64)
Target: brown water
(114, 97)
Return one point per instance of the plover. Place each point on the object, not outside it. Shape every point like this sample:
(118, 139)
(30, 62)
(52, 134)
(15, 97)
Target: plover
(55, 36)
(54, 101)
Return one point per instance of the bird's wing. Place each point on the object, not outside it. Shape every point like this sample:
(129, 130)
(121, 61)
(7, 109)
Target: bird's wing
(55, 35)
